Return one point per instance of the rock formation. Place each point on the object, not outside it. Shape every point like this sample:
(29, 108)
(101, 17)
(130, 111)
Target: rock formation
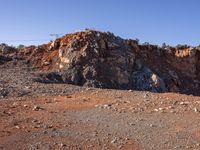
(101, 59)
(7, 53)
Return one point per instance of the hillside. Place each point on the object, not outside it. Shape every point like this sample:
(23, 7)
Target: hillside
(94, 90)
(101, 59)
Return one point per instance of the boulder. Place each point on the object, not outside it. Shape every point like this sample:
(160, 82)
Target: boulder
(145, 79)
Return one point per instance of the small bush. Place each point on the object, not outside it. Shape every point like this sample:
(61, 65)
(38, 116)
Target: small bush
(20, 46)
(181, 47)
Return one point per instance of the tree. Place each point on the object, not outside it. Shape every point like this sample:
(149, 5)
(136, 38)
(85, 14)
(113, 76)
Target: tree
(20, 46)
(137, 40)
(164, 45)
(181, 47)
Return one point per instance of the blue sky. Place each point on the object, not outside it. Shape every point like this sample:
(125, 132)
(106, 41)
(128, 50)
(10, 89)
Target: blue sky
(154, 21)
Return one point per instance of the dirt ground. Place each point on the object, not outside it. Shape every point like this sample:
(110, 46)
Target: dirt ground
(59, 116)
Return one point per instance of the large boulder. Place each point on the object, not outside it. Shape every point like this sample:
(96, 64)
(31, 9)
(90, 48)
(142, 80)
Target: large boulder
(145, 79)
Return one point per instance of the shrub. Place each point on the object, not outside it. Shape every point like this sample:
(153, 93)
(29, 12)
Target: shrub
(181, 47)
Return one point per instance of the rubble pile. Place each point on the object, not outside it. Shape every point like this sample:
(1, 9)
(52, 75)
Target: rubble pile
(101, 59)
(7, 53)
(6, 50)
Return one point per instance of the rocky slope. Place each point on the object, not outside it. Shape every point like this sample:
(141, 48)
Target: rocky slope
(35, 115)
(101, 59)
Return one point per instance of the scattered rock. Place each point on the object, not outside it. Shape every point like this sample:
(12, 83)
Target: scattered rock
(37, 108)
(3, 92)
(17, 127)
(105, 106)
(185, 103)
(62, 145)
(196, 110)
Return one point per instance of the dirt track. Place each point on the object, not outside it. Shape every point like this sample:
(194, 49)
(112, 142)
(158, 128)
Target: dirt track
(101, 119)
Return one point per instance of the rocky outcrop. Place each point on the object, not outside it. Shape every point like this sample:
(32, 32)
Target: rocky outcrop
(145, 79)
(96, 59)
(100, 59)
(7, 53)
(5, 49)
(178, 68)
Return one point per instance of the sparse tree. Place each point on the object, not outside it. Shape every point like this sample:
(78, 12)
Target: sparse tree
(164, 45)
(20, 46)
(146, 43)
(137, 40)
(181, 47)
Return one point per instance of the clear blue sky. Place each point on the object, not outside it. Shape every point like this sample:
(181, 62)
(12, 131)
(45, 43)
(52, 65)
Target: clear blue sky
(154, 21)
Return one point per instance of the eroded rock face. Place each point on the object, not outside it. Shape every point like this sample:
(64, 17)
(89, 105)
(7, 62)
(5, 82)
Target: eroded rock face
(145, 79)
(179, 69)
(100, 59)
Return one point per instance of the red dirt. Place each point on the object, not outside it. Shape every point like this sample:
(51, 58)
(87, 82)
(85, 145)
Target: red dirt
(54, 124)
